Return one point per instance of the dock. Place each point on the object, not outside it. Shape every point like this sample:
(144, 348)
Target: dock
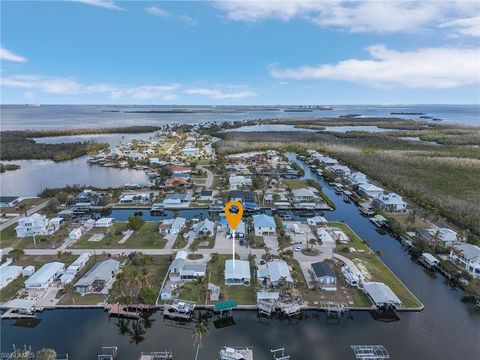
(125, 310)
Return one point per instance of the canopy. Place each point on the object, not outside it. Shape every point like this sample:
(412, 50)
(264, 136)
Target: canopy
(225, 305)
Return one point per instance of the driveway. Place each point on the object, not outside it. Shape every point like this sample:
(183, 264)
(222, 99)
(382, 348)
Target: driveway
(13, 220)
(209, 181)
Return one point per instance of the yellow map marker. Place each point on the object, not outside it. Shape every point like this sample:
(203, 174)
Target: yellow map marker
(233, 220)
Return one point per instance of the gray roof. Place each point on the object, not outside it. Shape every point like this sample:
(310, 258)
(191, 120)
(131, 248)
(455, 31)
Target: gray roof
(381, 294)
(100, 271)
(469, 251)
(279, 269)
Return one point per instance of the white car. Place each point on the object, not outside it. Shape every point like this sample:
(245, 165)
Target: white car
(297, 248)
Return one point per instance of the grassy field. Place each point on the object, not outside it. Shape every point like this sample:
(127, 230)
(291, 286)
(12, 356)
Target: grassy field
(244, 295)
(147, 237)
(8, 236)
(368, 261)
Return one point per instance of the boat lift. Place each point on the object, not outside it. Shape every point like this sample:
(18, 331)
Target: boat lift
(281, 354)
(370, 352)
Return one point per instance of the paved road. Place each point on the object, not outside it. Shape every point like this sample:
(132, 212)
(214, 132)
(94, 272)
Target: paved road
(209, 181)
(33, 210)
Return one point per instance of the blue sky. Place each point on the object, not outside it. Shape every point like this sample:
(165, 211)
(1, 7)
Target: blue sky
(329, 52)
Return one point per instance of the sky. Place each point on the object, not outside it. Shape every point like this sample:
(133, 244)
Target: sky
(240, 52)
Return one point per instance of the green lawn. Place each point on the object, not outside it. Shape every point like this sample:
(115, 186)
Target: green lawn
(180, 242)
(8, 236)
(375, 266)
(9, 291)
(147, 237)
(243, 295)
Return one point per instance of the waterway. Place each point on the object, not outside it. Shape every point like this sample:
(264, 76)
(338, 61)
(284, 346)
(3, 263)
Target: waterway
(446, 329)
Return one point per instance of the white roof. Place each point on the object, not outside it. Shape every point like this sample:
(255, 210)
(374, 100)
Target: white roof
(470, 252)
(369, 187)
(303, 192)
(324, 236)
(6, 272)
(100, 271)
(104, 220)
(240, 271)
(21, 304)
(267, 295)
(381, 294)
(279, 269)
(430, 258)
(45, 273)
(182, 254)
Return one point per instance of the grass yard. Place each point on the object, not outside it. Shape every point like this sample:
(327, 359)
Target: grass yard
(8, 236)
(371, 263)
(180, 242)
(147, 237)
(9, 291)
(243, 295)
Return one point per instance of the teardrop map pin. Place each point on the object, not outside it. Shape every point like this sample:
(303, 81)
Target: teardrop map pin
(233, 220)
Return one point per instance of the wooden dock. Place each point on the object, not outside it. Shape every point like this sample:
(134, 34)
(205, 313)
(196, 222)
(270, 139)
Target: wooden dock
(126, 310)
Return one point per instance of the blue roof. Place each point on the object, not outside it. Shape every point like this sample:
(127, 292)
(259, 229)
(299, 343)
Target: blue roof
(263, 221)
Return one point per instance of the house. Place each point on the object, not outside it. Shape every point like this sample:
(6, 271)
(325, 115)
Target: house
(357, 178)
(240, 231)
(205, 227)
(390, 202)
(182, 269)
(446, 237)
(274, 272)
(8, 201)
(54, 224)
(326, 161)
(205, 195)
(302, 195)
(272, 196)
(381, 295)
(78, 264)
(245, 197)
(325, 237)
(237, 272)
(8, 274)
(178, 169)
(99, 278)
(369, 190)
(316, 221)
(104, 222)
(28, 271)
(340, 170)
(324, 276)
(44, 276)
(239, 180)
(75, 234)
(264, 225)
(174, 199)
(176, 181)
(468, 257)
(35, 224)
(136, 198)
(172, 226)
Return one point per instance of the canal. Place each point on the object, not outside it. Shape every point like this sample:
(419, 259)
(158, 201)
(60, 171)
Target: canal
(446, 329)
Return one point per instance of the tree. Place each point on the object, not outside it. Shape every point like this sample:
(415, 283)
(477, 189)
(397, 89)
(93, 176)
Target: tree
(193, 247)
(46, 354)
(135, 222)
(53, 205)
(312, 242)
(16, 254)
(23, 209)
(200, 283)
(435, 240)
(200, 330)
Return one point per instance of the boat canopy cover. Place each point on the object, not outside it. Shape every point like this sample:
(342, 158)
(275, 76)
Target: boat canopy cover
(225, 305)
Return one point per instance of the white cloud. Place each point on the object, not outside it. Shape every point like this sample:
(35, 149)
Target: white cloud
(355, 16)
(220, 94)
(107, 4)
(422, 68)
(162, 13)
(6, 54)
(464, 27)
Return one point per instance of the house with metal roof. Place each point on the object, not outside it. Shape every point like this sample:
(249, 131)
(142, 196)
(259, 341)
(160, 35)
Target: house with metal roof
(172, 226)
(45, 276)
(468, 257)
(206, 227)
(237, 272)
(274, 272)
(357, 178)
(303, 195)
(446, 237)
(390, 202)
(8, 274)
(369, 190)
(324, 276)
(264, 225)
(381, 295)
(181, 269)
(99, 278)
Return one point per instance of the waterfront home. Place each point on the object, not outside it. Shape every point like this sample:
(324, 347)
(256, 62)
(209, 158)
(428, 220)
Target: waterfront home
(316, 221)
(467, 256)
(172, 226)
(325, 237)
(236, 181)
(205, 195)
(35, 224)
(381, 295)
(75, 234)
(274, 272)
(134, 198)
(86, 194)
(240, 231)
(182, 269)
(340, 170)
(273, 196)
(204, 227)
(390, 202)
(244, 197)
(369, 190)
(264, 225)
(326, 161)
(303, 195)
(324, 276)
(238, 274)
(444, 236)
(357, 178)
(8, 201)
(72, 270)
(8, 274)
(135, 155)
(45, 276)
(178, 169)
(104, 222)
(175, 199)
(99, 278)
(176, 181)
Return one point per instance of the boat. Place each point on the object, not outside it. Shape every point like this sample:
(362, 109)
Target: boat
(407, 113)
(179, 309)
(239, 353)
(437, 119)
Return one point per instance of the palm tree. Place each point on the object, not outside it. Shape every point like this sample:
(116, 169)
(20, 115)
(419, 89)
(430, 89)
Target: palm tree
(23, 209)
(143, 279)
(435, 239)
(193, 247)
(312, 242)
(411, 219)
(214, 257)
(199, 331)
(122, 326)
(200, 283)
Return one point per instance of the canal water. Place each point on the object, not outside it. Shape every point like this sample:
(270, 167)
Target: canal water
(446, 329)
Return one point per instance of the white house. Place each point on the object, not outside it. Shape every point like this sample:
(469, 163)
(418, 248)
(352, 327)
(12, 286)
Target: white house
(447, 237)
(390, 202)
(99, 278)
(316, 221)
(357, 178)
(303, 195)
(104, 222)
(35, 224)
(240, 180)
(206, 227)
(182, 269)
(77, 265)
(340, 170)
(264, 225)
(136, 198)
(28, 271)
(175, 199)
(324, 276)
(369, 190)
(468, 257)
(172, 226)
(75, 234)
(237, 272)
(274, 272)
(8, 274)
(325, 237)
(54, 224)
(44, 276)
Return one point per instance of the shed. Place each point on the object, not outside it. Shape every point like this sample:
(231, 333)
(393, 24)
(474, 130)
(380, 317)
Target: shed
(28, 271)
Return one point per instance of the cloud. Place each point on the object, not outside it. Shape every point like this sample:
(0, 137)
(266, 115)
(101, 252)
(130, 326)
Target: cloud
(464, 27)
(162, 13)
(422, 68)
(220, 94)
(7, 55)
(106, 4)
(354, 16)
